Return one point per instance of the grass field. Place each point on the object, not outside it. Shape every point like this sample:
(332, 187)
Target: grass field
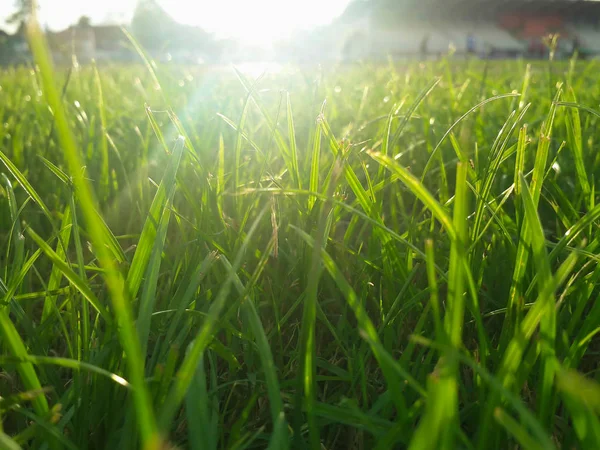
(206, 259)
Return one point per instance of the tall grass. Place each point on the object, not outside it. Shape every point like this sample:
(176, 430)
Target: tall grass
(207, 259)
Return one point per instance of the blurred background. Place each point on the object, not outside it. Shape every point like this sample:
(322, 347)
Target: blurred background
(308, 31)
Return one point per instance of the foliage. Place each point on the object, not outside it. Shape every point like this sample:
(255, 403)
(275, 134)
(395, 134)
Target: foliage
(23, 11)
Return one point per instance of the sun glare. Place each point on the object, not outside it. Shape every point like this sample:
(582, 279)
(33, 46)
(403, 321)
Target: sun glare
(254, 22)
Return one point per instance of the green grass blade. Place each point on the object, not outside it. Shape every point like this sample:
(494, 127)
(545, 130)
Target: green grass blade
(433, 289)
(582, 398)
(154, 236)
(516, 430)
(25, 185)
(197, 403)
(575, 140)
(441, 415)
(27, 373)
(62, 176)
(103, 144)
(417, 188)
(307, 346)
(515, 306)
(147, 238)
(292, 137)
(16, 235)
(186, 371)
(56, 274)
(67, 364)
(422, 96)
(75, 280)
(6, 443)
(548, 322)
(315, 165)
(475, 108)
(515, 349)
(145, 415)
(264, 351)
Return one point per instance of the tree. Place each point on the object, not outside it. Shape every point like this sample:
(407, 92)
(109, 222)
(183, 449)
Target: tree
(151, 24)
(24, 8)
(84, 22)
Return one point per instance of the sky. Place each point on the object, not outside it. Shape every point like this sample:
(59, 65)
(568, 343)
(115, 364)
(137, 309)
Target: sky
(255, 21)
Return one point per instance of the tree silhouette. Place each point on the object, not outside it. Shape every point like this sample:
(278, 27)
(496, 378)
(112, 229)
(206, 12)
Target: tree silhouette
(24, 8)
(84, 22)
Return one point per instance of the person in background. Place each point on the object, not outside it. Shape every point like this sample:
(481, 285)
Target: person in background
(471, 48)
(576, 46)
(423, 46)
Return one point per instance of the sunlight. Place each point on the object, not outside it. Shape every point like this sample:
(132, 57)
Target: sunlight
(259, 22)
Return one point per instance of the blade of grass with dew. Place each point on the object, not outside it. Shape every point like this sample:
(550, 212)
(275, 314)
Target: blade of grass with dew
(573, 232)
(578, 106)
(22, 180)
(20, 276)
(67, 363)
(525, 86)
(57, 171)
(16, 236)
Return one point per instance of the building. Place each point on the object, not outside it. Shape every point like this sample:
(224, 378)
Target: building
(376, 29)
(87, 42)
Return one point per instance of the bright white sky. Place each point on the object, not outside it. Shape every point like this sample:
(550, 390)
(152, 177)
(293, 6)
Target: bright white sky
(256, 21)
